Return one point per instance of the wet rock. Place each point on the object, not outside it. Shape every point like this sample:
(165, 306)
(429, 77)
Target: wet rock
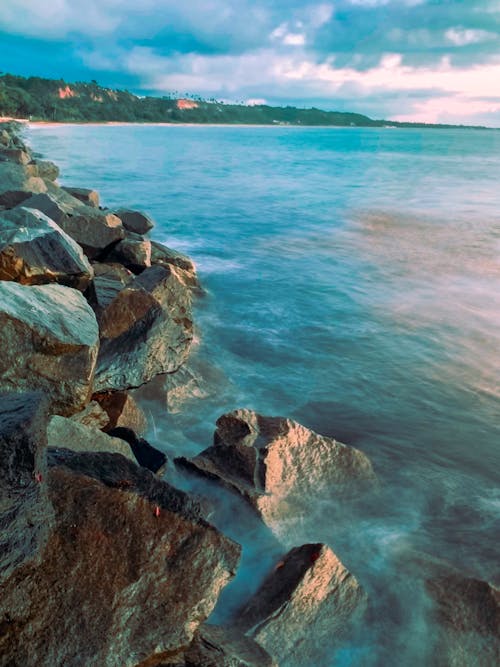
(467, 621)
(303, 607)
(133, 251)
(92, 415)
(149, 570)
(122, 410)
(163, 256)
(135, 221)
(277, 464)
(145, 328)
(146, 455)
(25, 511)
(18, 184)
(69, 434)
(50, 342)
(88, 197)
(47, 170)
(183, 386)
(92, 229)
(34, 251)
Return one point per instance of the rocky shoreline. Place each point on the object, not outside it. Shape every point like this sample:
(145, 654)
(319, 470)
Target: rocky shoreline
(102, 562)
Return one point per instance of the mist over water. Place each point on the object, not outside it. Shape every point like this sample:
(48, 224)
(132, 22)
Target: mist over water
(353, 283)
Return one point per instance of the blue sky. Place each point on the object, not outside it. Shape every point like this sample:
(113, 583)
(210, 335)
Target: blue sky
(428, 60)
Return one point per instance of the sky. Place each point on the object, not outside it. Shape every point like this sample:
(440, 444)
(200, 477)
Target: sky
(416, 60)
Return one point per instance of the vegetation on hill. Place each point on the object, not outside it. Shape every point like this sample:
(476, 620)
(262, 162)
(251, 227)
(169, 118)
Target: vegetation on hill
(56, 100)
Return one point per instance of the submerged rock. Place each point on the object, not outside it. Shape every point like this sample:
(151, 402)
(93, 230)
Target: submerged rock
(50, 342)
(277, 464)
(34, 251)
(303, 607)
(149, 570)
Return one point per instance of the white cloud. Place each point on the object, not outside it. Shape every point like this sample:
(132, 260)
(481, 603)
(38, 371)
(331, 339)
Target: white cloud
(462, 37)
(294, 39)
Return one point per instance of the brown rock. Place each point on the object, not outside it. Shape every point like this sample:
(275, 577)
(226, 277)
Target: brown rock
(88, 197)
(303, 607)
(129, 572)
(164, 256)
(92, 415)
(50, 338)
(135, 221)
(122, 410)
(34, 251)
(134, 252)
(277, 464)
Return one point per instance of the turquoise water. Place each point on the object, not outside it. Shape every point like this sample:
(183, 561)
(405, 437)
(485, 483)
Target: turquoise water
(353, 283)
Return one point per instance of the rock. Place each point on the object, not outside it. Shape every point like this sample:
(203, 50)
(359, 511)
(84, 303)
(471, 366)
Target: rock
(277, 464)
(183, 386)
(34, 251)
(134, 221)
(164, 256)
(50, 338)
(18, 184)
(145, 328)
(4, 138)
(466, 620)
(69, 434)
(133, 251)
(92, 229)
(122, 410)
(129, 572)
(145, 454)
(303, 607)
(47, 170)
(25, 511)
(17, 155)
(88, 197)
(92, 415)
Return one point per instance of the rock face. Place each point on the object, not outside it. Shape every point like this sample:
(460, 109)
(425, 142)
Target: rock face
(303, 606)
(34, 251)
(51, 342)
(163, 256)
(92, 229)
(145, 327)
(122, 410)
(133, 251)
(25, 512)
(135, 221)
(47, 170)
(66, 433)
(467, 618)
(92, 415)
(18, 183)
(149, 570)
(88, 197)
(278, 464)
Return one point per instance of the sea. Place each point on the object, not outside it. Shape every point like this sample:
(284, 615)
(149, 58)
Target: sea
(351, 282)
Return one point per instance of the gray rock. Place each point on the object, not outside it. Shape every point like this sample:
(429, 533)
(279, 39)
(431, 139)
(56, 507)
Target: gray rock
(47, 170)
(92, 415)
(133, 251)
(277, 464)
(17, 155)
(121, 409)
(164, 256)
(50, 337)
(134, 221)
(34, 250)
(69, 434)
(303, 607)
(18, 184)
(88, 197)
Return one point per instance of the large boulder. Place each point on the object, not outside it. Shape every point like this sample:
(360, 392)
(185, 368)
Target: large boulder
(25, 511)
(92, 415)
(163, 256)
(129, 572)
(277, 464)
(145, 327)
(18, 183)
(134, 252)
(17, 155)
(69, 434)
(122, 410)
(86, 196)
(50, 342)
(47, 170)
(94, 230)
(466, 620)
(34, 251)
(304, 607)
(134, 221)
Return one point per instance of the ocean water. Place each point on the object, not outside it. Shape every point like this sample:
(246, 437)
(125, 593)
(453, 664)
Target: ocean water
(352, 282)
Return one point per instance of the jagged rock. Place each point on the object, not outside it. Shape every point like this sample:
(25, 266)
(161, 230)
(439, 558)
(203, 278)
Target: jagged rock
(277, 464)
(18, 184)
(145, 454)
(134, 221)
(145, 328)
(466, 620)
(50, 342)
(47, 170)
(88, 197)
(69, 434)
(34, 251)
(92, 229)
(92, 415)
(25, 511)
(303, 607)
(133, 251)
(164, 256)
(122, 410)
(129, 572)
(17, 155)
(4, 138)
